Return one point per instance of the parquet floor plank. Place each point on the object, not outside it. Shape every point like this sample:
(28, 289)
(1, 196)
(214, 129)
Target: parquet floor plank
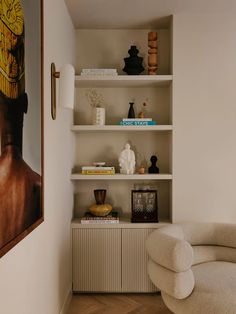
(117, 304)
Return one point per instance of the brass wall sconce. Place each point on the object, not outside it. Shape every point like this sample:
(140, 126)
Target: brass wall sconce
(66, 88)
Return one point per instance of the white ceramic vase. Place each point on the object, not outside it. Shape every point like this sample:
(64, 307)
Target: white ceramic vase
(99, 115)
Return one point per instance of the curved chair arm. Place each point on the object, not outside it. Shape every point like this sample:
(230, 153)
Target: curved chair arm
(168, 250)
(178, 285)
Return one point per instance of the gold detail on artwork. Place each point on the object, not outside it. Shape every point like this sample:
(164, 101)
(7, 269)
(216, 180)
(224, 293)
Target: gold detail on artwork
(12, 76)
(12, 15)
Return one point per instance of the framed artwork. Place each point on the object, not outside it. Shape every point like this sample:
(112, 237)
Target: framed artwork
(144, 206)
(21, 120)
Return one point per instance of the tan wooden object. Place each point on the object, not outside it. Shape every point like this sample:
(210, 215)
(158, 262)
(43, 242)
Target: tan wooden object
(152, 53)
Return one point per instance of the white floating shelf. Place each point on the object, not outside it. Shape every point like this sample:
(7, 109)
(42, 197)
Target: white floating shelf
(81, 128)
(119, 176)
(123, 81)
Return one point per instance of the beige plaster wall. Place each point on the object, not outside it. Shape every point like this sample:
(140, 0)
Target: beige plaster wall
(204, 111)
(36, 273)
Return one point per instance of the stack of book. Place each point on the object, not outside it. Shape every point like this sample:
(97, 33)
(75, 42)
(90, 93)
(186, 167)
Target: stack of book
(99, 72)
(112, 218)
(144, 121)
(98, 170)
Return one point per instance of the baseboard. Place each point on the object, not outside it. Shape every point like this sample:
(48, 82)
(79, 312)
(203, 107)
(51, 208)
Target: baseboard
(66, 303)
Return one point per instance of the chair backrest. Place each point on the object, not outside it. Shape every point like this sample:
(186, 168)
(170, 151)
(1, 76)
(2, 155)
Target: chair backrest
(208, 253)
(211, 241)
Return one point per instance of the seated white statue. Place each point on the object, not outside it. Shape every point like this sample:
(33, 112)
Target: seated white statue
(127, 160)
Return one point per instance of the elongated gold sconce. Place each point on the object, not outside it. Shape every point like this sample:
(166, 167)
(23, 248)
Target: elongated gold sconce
(66, 88)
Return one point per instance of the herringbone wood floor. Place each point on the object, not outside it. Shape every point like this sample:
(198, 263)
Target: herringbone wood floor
(117, 304)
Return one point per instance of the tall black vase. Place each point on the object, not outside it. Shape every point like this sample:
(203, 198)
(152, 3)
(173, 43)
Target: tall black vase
(131, 113)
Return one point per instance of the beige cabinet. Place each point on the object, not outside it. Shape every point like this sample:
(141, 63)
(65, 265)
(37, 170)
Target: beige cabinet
(110, 259)
(96, 260)
(134, 261)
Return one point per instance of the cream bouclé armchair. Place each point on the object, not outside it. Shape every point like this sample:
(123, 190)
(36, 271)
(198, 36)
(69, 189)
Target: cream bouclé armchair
(194, 266)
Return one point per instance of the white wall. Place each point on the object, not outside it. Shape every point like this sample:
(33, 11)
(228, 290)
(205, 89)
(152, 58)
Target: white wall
(204, 96)
(36, 274)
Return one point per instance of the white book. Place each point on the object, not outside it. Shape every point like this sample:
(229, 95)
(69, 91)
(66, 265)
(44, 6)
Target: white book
(98, 74)
(98, 70)
(97, 168)
(137, 119)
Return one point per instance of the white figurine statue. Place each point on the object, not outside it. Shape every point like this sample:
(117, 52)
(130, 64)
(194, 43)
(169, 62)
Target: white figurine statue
(127, 160)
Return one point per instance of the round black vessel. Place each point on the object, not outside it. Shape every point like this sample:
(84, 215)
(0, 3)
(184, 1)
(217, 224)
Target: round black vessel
(133, 64)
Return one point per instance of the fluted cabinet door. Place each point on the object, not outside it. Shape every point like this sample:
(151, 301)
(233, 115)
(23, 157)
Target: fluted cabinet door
(96, 260)
(134, 261)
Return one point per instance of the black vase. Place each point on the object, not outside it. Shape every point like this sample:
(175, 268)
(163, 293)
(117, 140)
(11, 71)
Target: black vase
(131, 113)
(133, 64)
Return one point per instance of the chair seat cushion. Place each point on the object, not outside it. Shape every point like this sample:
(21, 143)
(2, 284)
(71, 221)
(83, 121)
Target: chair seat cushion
(214, 291)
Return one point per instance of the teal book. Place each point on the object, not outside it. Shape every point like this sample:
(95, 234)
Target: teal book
(137, 123)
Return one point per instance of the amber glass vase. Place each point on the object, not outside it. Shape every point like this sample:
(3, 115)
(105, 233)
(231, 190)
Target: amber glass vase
(100, 196)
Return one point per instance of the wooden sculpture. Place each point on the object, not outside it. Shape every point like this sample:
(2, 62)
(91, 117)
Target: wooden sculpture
(152, 53)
